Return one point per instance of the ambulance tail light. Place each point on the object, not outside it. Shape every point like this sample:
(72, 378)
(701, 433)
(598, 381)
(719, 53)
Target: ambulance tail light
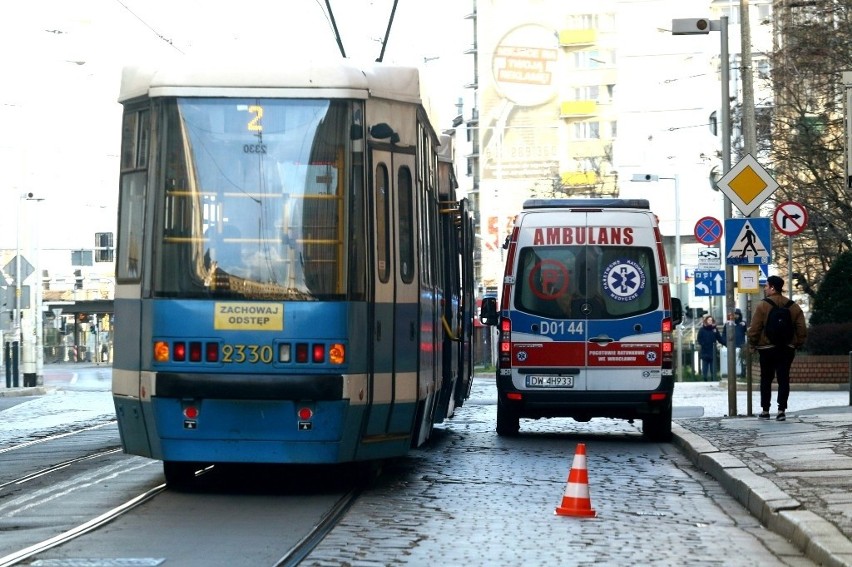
(667, 345)
(504, 343)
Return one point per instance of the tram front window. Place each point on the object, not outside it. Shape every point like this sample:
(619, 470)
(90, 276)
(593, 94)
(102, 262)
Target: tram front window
(252, 198)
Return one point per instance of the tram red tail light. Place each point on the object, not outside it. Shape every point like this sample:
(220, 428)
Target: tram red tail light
(318, 353)
(212, 352)
(179, 352)
(195, 352)
(301, 352)
(305, 413)
(161, 351)
(190, 412)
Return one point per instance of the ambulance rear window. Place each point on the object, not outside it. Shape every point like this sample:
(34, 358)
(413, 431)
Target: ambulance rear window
(594, 282)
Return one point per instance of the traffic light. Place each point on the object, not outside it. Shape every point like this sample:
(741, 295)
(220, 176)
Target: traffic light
(691, 26)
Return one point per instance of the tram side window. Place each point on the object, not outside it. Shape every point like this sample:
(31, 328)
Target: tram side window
(406, 226)
(134, 177)
(382, 225)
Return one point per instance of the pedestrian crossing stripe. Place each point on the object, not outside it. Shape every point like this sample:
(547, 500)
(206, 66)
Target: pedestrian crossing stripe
(747, 241)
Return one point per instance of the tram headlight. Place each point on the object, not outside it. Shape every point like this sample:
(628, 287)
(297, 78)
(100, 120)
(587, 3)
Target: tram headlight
(161, 351)
(337, 354)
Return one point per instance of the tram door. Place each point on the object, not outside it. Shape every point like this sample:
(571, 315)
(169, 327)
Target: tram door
(395, 329)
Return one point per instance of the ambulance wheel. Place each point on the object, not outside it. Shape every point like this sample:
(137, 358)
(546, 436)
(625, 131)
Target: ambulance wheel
(508, 422)
(658, 427)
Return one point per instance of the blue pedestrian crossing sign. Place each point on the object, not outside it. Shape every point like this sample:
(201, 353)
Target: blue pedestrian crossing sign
(709, 282)
(747, 241)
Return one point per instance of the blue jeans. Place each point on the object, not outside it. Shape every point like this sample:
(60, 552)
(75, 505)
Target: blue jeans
(708, 370)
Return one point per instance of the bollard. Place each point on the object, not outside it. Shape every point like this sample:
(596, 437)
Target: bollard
(7, 363)
(15, 353)
(850, 378)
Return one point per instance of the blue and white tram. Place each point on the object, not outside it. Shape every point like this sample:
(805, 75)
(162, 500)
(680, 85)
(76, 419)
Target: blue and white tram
(294, 280)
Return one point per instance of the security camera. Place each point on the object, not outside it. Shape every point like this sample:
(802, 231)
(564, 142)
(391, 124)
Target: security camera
(29, 195)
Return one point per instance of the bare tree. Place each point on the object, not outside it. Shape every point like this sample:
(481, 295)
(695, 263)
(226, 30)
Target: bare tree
(813, 46)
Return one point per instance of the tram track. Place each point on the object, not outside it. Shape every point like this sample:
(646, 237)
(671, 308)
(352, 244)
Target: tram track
(57, 467)
(328, 518)
(307, 544)
(80, 530)
(54, 437)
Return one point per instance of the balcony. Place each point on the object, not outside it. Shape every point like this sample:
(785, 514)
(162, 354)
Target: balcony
(578, 108)
(577, 38)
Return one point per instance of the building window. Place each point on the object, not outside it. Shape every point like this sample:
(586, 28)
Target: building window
(104, 247)
(587, 130)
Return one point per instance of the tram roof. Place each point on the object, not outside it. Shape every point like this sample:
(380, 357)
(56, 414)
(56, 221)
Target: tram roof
(248, 77)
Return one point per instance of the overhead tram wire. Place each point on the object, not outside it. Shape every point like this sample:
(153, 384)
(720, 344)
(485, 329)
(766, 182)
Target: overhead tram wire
(158, 34)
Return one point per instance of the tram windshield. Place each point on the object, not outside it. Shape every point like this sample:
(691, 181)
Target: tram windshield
(253, 198)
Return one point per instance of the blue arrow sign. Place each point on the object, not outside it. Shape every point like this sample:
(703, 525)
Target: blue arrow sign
(709, 282)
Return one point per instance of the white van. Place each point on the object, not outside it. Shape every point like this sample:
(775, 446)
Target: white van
(586, 317)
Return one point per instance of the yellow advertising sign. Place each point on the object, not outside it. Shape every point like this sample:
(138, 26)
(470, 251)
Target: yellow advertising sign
(239, 316)
(748, 279)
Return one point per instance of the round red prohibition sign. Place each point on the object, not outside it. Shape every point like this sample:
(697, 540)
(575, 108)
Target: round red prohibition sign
(708, 230)
(790, 218)
(548, 279)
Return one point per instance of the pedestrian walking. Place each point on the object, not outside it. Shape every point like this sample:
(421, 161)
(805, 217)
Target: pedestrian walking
(777, 329)
(708, 336)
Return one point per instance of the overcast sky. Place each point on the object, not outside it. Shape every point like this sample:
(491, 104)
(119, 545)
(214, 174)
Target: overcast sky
(59, 119)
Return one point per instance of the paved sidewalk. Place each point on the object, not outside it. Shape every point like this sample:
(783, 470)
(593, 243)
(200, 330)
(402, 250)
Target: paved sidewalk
(794, 476)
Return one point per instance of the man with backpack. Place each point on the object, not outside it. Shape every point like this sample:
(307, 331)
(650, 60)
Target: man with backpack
(777, 329)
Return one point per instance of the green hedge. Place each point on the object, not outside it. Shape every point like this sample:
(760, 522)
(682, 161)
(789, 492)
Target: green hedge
(829, 339)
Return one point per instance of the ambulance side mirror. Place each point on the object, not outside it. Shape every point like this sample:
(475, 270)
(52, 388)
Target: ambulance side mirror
(488, 311)
(677, 311)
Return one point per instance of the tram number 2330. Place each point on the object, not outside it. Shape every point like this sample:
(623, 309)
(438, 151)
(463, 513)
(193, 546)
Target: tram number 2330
(247, 353)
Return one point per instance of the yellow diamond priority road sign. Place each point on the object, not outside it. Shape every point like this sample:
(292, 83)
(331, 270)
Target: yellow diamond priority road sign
(747, 185)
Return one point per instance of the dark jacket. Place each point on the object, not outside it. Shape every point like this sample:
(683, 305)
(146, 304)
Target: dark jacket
(708, 336)
(740, 329)
(756, 336)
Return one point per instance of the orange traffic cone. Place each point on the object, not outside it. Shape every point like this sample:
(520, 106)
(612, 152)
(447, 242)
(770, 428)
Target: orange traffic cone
(576, 501)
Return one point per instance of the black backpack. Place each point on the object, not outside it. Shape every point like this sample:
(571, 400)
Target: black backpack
(779, 324)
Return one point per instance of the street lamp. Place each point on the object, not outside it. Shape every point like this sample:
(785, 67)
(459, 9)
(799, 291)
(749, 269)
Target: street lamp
(701, 26)
(647, 178)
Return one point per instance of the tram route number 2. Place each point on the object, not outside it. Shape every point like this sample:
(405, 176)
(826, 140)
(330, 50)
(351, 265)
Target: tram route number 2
(252, 354)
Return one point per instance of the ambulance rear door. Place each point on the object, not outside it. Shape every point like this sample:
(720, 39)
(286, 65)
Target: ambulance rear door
(624, 330)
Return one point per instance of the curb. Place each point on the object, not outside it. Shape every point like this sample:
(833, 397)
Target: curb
(25, 391)
(816, 537)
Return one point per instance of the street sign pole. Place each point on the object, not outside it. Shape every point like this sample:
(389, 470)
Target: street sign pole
(726, 167)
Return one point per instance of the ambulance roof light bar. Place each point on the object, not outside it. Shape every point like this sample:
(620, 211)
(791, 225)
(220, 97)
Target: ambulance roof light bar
(587, 204)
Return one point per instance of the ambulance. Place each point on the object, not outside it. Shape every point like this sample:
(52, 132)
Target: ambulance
(586, 317)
